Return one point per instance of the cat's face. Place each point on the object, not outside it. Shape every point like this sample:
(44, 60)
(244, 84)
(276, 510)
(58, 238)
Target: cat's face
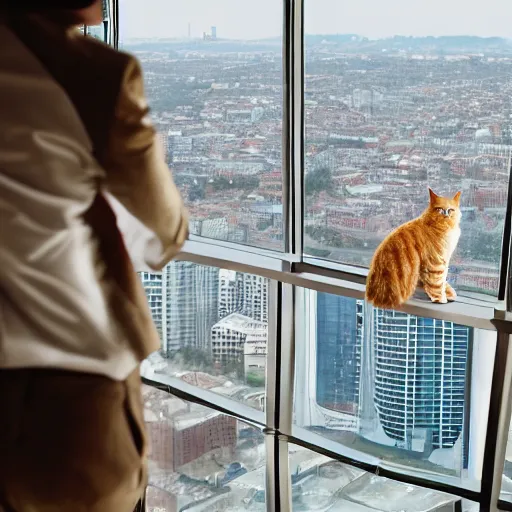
(445, 210)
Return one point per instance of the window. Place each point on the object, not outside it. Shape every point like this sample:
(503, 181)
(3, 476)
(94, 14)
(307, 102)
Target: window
(216, 97)
(300, 133)
(388, 115)
(201, 458)
(320, 483)
(102, 32)
(506, 486)
(409, 391)
(214, 329)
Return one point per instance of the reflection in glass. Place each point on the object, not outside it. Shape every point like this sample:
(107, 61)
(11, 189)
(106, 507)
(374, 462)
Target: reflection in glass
(320, 483)
(214, 328)
(408, 390)
(388, 116)
(200, 459)
(216, 100)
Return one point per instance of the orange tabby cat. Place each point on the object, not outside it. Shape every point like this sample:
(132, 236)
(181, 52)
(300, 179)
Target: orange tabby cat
(417, 254)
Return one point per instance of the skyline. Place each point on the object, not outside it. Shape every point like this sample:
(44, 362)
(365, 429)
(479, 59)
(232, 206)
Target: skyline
(237, 19)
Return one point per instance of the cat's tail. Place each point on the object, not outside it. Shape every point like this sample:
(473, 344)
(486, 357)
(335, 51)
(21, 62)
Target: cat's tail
(389, 285)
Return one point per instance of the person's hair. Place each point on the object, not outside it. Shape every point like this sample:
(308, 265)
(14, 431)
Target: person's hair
(42, 5)
(65, 12)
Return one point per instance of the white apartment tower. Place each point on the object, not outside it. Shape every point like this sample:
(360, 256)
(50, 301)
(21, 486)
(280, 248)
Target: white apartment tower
(243, 293)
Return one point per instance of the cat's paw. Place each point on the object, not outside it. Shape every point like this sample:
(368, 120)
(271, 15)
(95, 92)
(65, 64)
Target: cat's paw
(439, 300)
(451, 294)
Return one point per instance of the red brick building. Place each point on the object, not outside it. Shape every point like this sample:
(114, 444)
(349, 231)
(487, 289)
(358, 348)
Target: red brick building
(188, 436)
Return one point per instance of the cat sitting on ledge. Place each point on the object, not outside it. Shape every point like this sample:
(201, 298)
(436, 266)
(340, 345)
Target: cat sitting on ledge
(417, 254)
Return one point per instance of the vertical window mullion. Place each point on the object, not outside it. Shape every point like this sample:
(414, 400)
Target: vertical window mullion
(279, 407)
(504, 290)
(286, 359)
(293, 125)
(114, 28)
(280, 381)
(497, 425)
(278, 481)
(272, 492)
(272, 372)
(297, 167)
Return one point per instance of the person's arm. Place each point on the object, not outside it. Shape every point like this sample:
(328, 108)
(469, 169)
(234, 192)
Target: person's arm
(137, 174)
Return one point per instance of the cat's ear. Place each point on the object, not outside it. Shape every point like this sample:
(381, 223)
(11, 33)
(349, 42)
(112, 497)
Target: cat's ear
(433, 195)
(456, 197)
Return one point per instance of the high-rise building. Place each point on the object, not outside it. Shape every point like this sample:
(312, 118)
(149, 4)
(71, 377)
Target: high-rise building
(153, 286)
(180, 147)
(214, 32)
(414, 373)
(255, 297)
(231, 335)
(420, 377)
(191, 305)
(207, 292)
(243, 293)
(339, 321)
(181, 432)
(228, 292)
(187, 299)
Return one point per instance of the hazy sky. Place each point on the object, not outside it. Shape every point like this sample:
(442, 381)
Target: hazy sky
(252, 19)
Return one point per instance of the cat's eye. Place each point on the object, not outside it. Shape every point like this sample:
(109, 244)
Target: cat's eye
(450, 210)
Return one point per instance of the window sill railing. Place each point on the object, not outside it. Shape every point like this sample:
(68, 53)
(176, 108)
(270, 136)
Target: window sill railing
(481, 312)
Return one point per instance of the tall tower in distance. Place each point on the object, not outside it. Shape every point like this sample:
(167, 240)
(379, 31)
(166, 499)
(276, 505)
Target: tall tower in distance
(214, 32)
(189, 30)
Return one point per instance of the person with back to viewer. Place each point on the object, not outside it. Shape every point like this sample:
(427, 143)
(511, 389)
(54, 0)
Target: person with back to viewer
(74, 320)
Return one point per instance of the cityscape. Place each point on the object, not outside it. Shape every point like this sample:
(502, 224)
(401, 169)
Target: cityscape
(384, 119)
(400, 390)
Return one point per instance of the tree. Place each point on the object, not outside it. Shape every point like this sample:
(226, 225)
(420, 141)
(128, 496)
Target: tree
(193, 358)
(196, 193)
(255, 380)
(318, 180)
(264, 224)
(247, 183)
(234, 369)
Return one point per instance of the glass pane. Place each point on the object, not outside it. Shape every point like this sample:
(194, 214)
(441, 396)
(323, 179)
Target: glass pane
(101, 31)
(506, 483)
(411, 392)
(213, 73)
(98, 32)
(200, 459)
(320, 483)
(398, 103)
(213, 324)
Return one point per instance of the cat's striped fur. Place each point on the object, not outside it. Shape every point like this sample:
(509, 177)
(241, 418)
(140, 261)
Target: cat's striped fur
(417, 254)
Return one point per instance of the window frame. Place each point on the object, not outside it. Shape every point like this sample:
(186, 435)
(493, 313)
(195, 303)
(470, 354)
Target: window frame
(291, 270)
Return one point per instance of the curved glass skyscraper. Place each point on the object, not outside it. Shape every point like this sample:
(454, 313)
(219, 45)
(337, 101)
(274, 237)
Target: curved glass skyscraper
(413, 377)
(420, 376)
(339, 321)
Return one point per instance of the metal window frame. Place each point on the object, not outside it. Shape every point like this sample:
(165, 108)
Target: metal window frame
(291, 269)
(286, 269)
(110, 23)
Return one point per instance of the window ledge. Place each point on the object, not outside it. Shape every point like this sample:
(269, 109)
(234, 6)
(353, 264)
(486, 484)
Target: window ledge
(478, 311)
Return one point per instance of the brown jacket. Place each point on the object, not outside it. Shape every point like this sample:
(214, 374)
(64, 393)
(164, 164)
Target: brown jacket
(106, 89)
